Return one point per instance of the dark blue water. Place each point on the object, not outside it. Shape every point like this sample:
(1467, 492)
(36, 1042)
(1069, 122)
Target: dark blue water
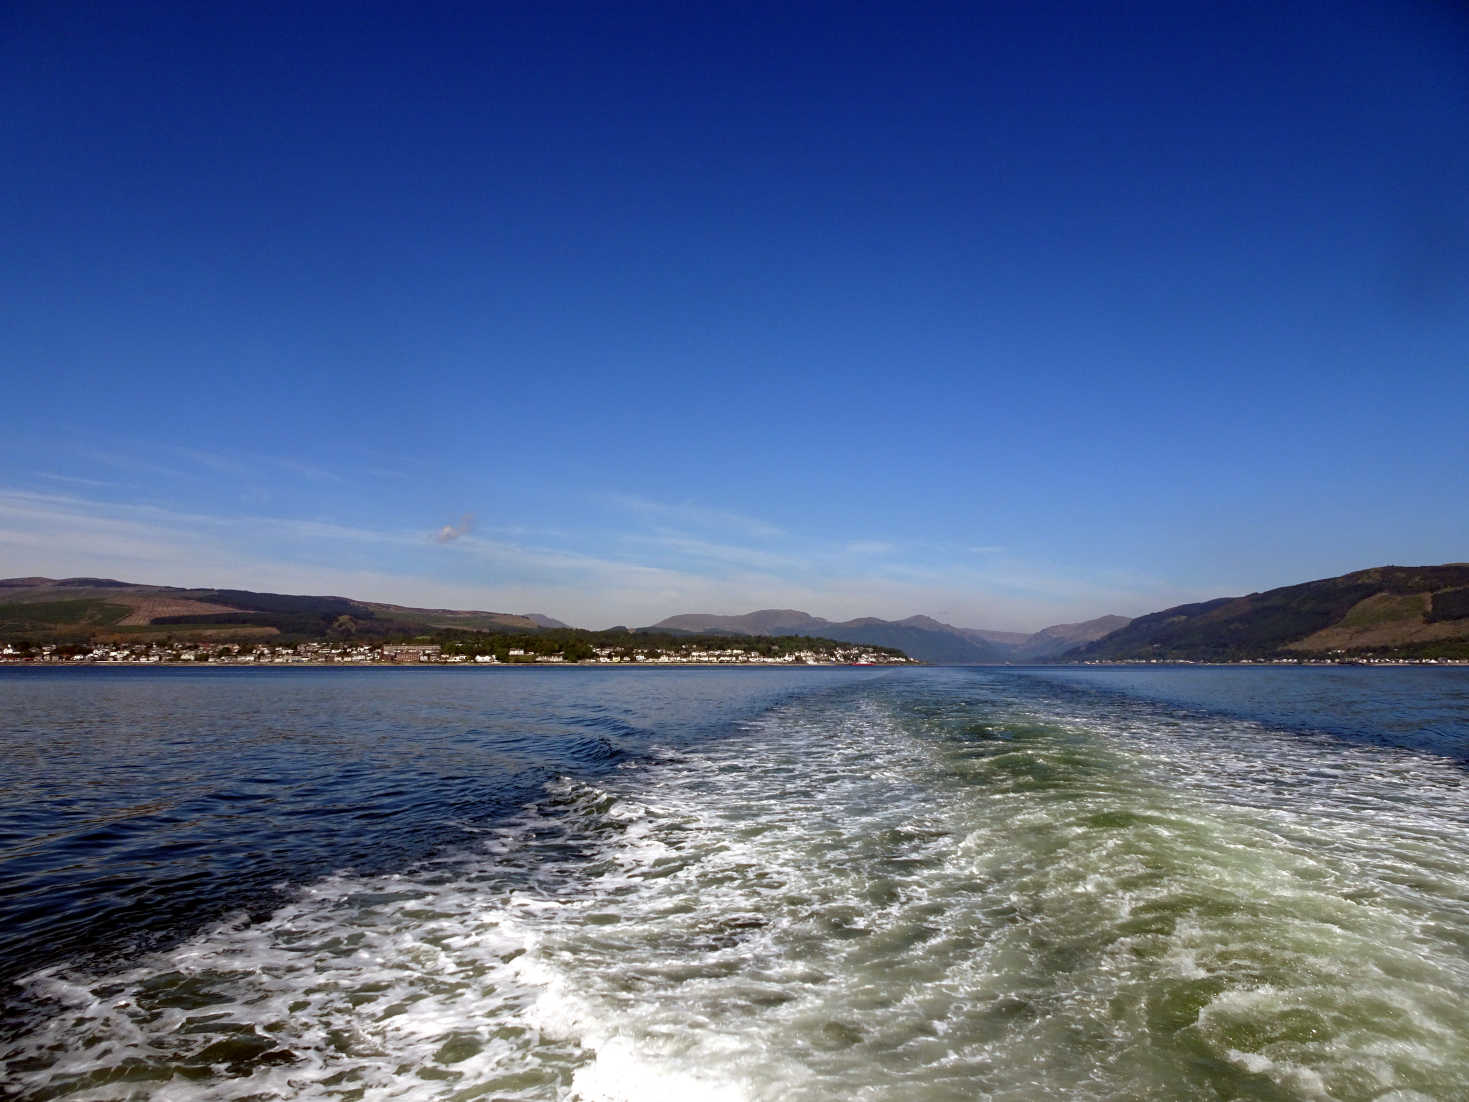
(1414, 707)
(809, 884)
(137, 804)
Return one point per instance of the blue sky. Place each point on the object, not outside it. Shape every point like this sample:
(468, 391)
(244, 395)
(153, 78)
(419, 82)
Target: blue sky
(1008, 314)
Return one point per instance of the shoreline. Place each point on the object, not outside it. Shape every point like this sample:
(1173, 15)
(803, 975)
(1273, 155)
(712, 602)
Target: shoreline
(460, 665)
(1259, 664)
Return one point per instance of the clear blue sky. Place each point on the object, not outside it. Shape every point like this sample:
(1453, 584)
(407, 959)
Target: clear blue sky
(1009, 314)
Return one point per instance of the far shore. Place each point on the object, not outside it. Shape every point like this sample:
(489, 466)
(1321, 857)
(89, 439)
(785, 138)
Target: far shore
(461, 665)
(1386, 663)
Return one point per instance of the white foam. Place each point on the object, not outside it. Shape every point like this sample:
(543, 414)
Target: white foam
(839, 900)
(1303, 1080)
(621, 1074)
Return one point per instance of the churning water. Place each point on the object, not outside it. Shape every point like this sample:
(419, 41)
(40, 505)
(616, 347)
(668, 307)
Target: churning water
(918, 884)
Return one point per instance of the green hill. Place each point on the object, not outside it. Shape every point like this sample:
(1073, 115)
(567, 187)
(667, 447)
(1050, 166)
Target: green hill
(1387, 611)
(67, 609)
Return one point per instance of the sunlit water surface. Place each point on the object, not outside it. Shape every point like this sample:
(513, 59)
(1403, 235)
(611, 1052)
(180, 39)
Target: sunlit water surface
(806, 884)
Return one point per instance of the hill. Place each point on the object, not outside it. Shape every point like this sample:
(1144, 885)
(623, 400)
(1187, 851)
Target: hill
(1057, 639)
(941, 644)
(764, 622)
(922, 637)
(66, 608)
(1386, 611)
(100, 620)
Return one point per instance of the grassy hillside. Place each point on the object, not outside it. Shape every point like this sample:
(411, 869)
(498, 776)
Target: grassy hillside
(78, 614)
(70, 609)
(1411, 612)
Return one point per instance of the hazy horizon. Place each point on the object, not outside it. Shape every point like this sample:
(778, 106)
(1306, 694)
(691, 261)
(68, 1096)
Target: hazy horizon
(413, 597)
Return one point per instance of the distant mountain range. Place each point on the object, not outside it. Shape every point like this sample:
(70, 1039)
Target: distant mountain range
(1386, 611)
(921, 637)
(1410, 612)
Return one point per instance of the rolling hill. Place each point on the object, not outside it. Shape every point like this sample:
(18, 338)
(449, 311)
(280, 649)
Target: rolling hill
(1401, 611)
(1386, 611)
(77, 607)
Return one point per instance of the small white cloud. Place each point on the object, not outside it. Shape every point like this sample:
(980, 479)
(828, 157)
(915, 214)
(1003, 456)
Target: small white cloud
(987, 549)
(451, 532)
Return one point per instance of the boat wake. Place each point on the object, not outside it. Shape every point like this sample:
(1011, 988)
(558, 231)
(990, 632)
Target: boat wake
(951, 894)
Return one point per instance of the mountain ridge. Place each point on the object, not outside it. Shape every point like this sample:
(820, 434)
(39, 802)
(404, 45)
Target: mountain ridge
(1383, 611)
(923, 637)
(78, 605)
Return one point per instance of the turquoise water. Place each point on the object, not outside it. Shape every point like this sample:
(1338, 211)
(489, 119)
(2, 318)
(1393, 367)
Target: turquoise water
(914, 884)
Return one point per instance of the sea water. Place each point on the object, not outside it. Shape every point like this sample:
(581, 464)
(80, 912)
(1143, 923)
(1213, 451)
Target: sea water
(736, 884)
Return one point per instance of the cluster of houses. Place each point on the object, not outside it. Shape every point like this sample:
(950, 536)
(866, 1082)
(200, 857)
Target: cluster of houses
(852, 656)
(163, 653)
(248, 654)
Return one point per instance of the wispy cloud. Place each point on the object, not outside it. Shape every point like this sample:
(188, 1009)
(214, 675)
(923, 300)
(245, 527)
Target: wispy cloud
(74, 480)
(697, 516)
(870, 547)
(682, 545)
(243, 464)
(38, 510)
(591, 578)
(305, 470)
(34, 525)
(122, 460)
(177, 462)
(218, 462)
(451, 532)
(542, 561)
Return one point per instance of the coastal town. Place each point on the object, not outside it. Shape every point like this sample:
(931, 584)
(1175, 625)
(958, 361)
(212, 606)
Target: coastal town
(416, 654)
(434, 654)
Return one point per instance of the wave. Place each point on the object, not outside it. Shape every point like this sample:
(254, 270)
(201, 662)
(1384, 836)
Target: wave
(936, 888)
